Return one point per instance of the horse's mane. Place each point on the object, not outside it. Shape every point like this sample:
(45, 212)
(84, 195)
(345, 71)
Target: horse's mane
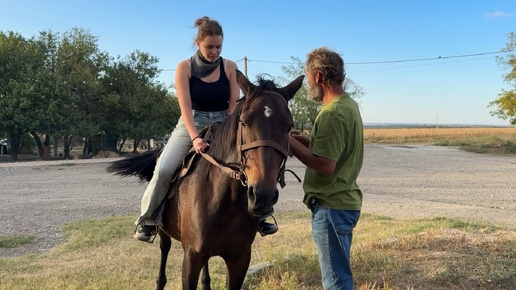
(264, 84)
(223, 135)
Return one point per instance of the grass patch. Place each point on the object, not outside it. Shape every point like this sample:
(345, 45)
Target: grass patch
(66, 165)
(95, 233)
(9, 242)
(491, 145)
(433, 253)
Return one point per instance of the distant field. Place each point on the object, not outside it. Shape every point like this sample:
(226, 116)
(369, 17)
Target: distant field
(431, 135)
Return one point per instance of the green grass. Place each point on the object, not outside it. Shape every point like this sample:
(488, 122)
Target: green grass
(495, 145)
(432, 253)
(66, 165)
(15, 241)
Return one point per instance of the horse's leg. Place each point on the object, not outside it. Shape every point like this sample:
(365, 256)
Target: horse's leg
(192, 265)
(237, 270)
(205, 278)
(164, 244)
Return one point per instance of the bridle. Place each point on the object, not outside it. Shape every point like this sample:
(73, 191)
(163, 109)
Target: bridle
(237, 170)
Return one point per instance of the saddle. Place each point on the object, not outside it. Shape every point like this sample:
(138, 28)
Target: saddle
(191, 158)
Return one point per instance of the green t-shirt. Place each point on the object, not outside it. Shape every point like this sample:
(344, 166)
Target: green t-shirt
(337, 135)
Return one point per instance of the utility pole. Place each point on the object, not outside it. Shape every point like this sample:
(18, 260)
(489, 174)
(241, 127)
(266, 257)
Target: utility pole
(245, 66)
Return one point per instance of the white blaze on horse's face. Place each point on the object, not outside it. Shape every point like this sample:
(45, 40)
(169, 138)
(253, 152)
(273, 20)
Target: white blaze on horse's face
(268, 111)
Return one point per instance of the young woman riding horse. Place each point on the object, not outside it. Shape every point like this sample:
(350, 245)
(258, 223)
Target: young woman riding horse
(215, 210)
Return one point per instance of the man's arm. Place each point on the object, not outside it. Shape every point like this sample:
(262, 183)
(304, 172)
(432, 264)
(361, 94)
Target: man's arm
(324, 165)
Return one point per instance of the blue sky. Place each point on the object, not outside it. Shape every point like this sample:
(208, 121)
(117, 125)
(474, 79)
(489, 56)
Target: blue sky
(368, 34)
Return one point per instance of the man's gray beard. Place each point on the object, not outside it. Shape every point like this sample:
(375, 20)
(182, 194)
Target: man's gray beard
(315, 92)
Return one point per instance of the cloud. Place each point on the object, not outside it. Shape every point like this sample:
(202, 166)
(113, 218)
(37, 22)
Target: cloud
(500, 14)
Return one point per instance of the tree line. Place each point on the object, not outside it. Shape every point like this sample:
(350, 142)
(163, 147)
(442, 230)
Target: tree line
(64, 86)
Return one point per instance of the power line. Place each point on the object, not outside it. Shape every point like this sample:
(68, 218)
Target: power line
(401, 60)
(268, 61)
(431, 58)
(383, 61)
(419, 65)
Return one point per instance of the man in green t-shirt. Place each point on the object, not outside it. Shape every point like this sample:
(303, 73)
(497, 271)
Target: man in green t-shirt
(333, 154)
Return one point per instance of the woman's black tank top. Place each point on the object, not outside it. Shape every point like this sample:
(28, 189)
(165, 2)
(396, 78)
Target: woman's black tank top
(210, 97)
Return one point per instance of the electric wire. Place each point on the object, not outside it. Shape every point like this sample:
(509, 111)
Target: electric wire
(438, 58)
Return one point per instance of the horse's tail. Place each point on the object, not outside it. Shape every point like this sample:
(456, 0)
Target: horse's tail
(140, 165)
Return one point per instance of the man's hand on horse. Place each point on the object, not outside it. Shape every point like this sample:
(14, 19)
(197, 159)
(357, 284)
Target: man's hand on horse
(299, 136)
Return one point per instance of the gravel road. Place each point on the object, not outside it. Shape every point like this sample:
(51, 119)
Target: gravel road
(37, 198)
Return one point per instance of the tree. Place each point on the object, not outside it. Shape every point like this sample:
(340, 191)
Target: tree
(143, 108)
(303, 109)
(80, 64)
(65, 86)
(506, 102)
(49, 84)
(23, 81)
(53, 90)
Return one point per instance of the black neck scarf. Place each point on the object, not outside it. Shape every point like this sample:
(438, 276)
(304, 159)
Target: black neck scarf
(202, 67)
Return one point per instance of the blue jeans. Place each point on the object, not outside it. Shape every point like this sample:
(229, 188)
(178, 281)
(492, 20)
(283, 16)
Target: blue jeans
(332, 231)
(170, 159)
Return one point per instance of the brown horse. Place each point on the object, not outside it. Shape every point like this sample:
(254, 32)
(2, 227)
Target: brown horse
(215, 209)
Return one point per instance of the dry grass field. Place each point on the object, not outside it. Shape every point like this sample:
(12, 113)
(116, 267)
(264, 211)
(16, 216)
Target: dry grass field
(385, 135)
(490, 140)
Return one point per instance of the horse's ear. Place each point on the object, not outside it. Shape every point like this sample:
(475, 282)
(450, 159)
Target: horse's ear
(291, 89)
(244, 83)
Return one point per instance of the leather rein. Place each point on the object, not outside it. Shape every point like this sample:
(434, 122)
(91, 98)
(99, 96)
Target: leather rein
(237, 171)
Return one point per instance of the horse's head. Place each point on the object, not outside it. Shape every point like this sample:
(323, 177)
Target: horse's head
(264, 124)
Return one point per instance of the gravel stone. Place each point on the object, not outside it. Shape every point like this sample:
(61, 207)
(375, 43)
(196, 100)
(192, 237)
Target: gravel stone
(39, 197)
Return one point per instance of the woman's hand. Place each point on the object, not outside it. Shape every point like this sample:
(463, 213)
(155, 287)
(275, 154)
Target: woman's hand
(199, 145)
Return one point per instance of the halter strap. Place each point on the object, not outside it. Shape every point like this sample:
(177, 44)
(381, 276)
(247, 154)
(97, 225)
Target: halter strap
(264, 143)
(238, 173)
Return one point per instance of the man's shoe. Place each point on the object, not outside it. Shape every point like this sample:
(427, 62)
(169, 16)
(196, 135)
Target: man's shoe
(266, 228)
(146, 233)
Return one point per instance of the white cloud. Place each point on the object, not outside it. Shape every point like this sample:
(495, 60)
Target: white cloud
(499, 14)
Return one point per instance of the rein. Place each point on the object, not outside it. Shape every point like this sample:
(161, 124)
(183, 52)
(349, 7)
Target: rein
(237, 172)
(232, 172)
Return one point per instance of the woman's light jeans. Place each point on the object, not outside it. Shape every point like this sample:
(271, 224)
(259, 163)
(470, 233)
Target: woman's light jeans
(170, 159)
